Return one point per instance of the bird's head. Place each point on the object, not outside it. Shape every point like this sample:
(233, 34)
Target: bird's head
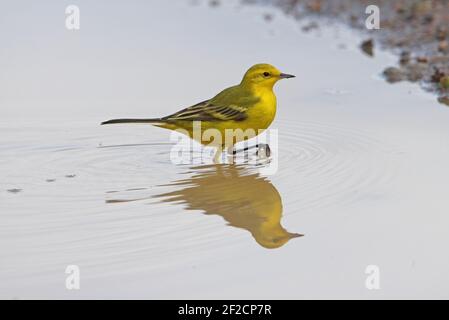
(263, 75)
(275, 238)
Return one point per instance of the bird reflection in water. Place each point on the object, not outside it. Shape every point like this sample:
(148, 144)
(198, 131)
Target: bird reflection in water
(243, 198)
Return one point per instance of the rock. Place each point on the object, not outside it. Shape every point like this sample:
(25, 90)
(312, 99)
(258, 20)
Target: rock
(405, 57)
(399, 8)
(268, 17)
(15, 190)
(444, 82)
(444, 100)
(443, 46)
(422, 59)
(437, 75)
(367, 47)
(393, 74)
(310, 26)
(441, 33)
(428, 19)
(421, 8)
(440, 59)
(214, 3)
(314, 6)
(415, 72)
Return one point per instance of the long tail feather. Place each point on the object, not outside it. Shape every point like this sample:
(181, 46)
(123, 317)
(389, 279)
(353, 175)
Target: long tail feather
(132, 121)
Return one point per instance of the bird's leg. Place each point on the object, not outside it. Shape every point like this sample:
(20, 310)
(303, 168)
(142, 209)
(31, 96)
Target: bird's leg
(217, 156)
(260, 147)
(235, 151)
(232, 151)
(231, 154)
(265, 148)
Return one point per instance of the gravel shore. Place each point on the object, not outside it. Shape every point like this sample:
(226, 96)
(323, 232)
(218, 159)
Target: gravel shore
(417, 31)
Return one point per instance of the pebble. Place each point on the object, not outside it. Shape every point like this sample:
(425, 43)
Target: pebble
(415, 72)
(443, 46)
(444, 82)
(393, 74)
(367, 47)
(444, 100)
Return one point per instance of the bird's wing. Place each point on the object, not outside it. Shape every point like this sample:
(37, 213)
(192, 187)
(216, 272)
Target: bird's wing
(227, 105)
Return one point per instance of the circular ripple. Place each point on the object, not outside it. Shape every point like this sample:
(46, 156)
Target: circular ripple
(319, 165)
(331, 164)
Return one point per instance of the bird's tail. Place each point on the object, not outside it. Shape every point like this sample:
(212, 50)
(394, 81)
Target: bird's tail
(114, 121)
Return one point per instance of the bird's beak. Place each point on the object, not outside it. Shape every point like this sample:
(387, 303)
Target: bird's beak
(286, 76)
(295, 235)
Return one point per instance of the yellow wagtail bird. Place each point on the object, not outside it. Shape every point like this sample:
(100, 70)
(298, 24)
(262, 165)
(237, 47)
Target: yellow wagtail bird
(248, 107)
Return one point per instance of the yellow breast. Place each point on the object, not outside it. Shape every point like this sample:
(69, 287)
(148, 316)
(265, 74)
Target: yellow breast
(262, 114)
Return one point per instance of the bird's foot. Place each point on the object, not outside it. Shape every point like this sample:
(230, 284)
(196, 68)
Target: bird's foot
(263, 149)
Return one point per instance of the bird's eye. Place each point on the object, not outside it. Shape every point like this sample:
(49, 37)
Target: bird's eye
(266, 74)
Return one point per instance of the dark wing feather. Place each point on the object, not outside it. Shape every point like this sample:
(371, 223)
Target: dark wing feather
(230, 104)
